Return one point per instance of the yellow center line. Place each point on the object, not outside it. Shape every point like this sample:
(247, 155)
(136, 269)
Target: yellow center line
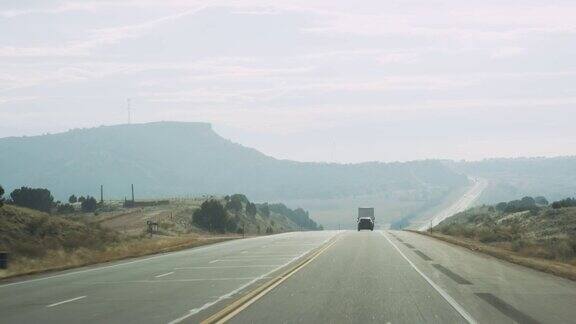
(241, 304)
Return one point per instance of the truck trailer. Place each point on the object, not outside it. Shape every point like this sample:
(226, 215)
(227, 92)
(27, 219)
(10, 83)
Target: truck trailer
(366, 218)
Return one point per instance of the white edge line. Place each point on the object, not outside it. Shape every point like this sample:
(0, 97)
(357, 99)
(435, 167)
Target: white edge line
(164, 274)
(441, 291)
(65, 301)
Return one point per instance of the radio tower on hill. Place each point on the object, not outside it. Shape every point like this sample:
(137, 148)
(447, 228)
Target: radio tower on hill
(128, 108)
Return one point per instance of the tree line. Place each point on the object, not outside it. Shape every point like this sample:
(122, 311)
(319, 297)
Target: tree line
(567, 202)
(299, 216)
(224, 216)
(41, 199)
(524, 204)
(221, 217)
(529, 203)
(214, 215)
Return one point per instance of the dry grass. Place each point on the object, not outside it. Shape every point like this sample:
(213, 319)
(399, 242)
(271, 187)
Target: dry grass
(61, 259)
(524, 256)
(39, 242)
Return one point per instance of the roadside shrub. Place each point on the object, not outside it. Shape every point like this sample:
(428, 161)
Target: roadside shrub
(457, 230)
(518, 244)
(501, 207)
(514, 229)
(29, 249)
(231, 224)
(264, 210)
(251, 209)
(211, 216)
(234, 205)
(36, 226)
(568, 202)
(561, 249)
(299, 216)
(65, 209)
(1, 196)
(240, 197)
(514, 206)
(89, 204)
(486, 235)
(489, 234)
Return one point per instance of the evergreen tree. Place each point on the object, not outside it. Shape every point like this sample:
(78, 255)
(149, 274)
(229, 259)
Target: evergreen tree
(35, 198)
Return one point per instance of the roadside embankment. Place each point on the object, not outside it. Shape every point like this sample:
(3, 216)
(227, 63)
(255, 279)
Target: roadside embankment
(39, 242)
(55, 260)
(560, 269)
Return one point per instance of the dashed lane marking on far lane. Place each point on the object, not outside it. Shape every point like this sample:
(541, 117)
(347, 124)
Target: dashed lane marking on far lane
(164, 274)
(441, 291)
(65, 301)
(238, 266)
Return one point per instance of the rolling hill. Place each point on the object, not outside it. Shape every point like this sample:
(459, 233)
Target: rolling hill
(165, 159)
(514, 178)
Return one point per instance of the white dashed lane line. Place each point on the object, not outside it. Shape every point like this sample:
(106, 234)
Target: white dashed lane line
(164, 274)
(65, 301)
(231, 267)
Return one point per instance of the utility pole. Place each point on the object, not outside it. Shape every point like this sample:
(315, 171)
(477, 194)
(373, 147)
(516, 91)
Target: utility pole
(132, 194)
(129, 111)
(101, 195)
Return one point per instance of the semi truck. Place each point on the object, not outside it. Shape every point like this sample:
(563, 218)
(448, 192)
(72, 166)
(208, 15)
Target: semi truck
(366, 218)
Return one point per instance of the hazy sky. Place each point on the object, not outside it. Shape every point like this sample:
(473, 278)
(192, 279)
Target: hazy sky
(302, 79)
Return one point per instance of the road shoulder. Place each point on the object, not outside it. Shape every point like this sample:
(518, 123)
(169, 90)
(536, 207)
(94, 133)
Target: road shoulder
(552, 267)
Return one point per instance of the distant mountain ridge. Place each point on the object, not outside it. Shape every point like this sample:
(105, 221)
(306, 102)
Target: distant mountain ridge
(514, 178)
(165, 159)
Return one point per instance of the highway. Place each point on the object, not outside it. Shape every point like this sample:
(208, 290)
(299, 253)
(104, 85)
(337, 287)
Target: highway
(348, 277)
(460, 205)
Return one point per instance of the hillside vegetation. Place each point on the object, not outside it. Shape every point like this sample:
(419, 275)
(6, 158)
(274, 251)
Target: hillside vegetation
(39, 240)
(168, 159)
(554, 178)
(29, 233)
(529, 227)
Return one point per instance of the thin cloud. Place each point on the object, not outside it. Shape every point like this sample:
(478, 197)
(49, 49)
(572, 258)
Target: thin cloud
(287, 64)
(98, 38)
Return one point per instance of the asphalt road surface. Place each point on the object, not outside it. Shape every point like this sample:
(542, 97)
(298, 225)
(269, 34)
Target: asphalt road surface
(463, 203)
(359, 277)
